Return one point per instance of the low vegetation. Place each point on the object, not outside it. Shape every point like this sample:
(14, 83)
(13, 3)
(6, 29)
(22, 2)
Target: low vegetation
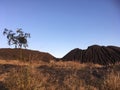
(58, 76)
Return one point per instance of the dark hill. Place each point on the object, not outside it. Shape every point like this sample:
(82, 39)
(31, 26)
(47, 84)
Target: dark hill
(96, 54)
(24, 54)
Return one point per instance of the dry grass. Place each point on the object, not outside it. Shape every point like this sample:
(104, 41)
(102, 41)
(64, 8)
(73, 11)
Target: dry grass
(112, 82)
(13, 62)
(61, 76)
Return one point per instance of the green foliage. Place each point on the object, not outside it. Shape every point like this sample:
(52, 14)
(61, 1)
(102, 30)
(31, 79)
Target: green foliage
(19, 39)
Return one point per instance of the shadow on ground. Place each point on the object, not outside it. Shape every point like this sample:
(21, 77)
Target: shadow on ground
(91, 76)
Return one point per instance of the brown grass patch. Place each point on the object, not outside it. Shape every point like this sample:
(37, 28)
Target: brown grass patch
(61, 76)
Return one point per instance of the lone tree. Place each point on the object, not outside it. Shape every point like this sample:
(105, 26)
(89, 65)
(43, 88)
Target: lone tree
(19, 39)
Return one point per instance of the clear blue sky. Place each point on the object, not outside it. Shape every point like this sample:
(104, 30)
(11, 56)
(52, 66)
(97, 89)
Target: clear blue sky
(58, 26)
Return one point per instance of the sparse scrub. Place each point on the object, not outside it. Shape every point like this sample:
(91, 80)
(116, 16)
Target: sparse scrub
(112, 82)
(22, 79)
(26, 79)
(63, 76)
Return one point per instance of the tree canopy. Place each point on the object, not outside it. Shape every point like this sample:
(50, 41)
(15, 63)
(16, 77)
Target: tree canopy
(18, 38)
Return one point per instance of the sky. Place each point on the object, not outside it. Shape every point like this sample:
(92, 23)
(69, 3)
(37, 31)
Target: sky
(58, 26)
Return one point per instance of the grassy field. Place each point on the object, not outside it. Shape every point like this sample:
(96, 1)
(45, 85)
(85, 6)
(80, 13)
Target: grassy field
(17, 75)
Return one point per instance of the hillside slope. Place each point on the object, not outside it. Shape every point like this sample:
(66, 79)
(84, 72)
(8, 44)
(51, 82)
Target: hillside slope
(24, 54)
(95, 54)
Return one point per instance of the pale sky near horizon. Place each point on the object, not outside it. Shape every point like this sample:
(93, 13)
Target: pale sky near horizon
(58, 26)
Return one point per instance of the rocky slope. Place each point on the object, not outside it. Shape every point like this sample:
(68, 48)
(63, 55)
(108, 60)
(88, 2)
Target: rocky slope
(96, 54)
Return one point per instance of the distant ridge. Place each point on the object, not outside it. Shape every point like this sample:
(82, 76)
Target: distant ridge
(96, 54)
(103, 55)
(24, 54)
